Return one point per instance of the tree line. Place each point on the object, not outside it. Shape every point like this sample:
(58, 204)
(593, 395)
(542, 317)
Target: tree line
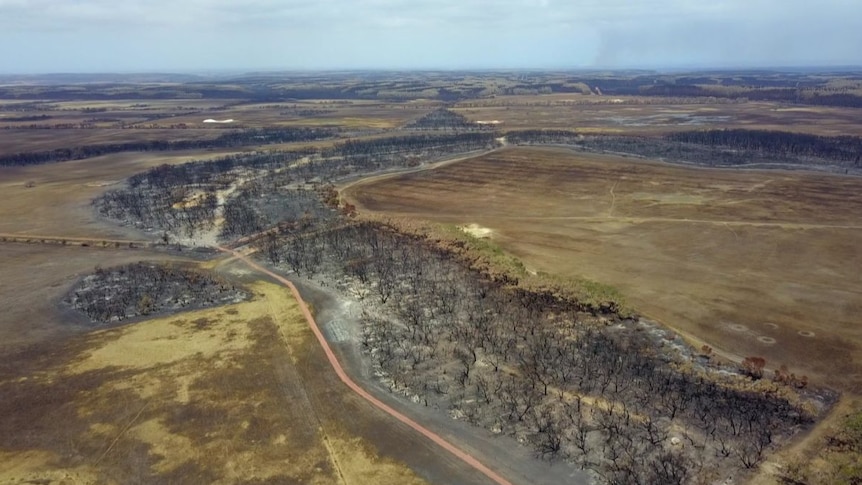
(445, 119)
(258, 136)
(716, 148)
(779, 143)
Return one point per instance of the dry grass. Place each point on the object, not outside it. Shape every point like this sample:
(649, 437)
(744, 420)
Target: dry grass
(218, 396)
(755, 263)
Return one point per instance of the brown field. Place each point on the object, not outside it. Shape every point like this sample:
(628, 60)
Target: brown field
(158, 120)
(104, 120)
(111, 114)
(634, 116)
(753, 262)
(156, 116)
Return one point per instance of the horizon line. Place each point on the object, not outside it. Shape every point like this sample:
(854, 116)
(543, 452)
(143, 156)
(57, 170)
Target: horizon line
(430, 69)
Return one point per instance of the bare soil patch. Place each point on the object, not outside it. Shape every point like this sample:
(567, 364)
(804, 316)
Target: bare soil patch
(700, 250)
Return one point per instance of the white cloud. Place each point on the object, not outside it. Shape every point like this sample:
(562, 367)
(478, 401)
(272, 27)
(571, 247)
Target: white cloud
(374, 33)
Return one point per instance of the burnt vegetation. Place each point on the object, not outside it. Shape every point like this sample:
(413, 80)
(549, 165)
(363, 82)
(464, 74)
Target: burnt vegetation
(717, 148)
(265, 189)
(444, 119)
(255, 191)
(778, 143)
(575, 381)
(141, 289)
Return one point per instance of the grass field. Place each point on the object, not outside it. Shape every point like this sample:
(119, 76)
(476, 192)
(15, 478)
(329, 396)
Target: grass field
(224, 395)
(754, 263)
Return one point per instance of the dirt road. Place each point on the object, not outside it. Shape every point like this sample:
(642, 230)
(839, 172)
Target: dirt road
(339, 316)
(376, 177)
(74, 241)
(342, 375)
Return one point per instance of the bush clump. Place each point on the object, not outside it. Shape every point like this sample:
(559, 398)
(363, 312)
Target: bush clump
(143, 288)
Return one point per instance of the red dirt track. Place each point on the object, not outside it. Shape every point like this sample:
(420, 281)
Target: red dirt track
(333, 361)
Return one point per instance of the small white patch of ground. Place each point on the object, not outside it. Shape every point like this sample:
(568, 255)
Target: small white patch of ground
(476, 230)
(299, 163)
(104, 183)
(210, 120)
(489, 122)
(240, 271)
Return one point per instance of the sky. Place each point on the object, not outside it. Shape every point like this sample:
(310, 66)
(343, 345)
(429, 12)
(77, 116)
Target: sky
(41, 36)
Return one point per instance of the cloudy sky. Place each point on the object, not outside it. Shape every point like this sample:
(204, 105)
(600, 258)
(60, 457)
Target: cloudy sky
(38, 36)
